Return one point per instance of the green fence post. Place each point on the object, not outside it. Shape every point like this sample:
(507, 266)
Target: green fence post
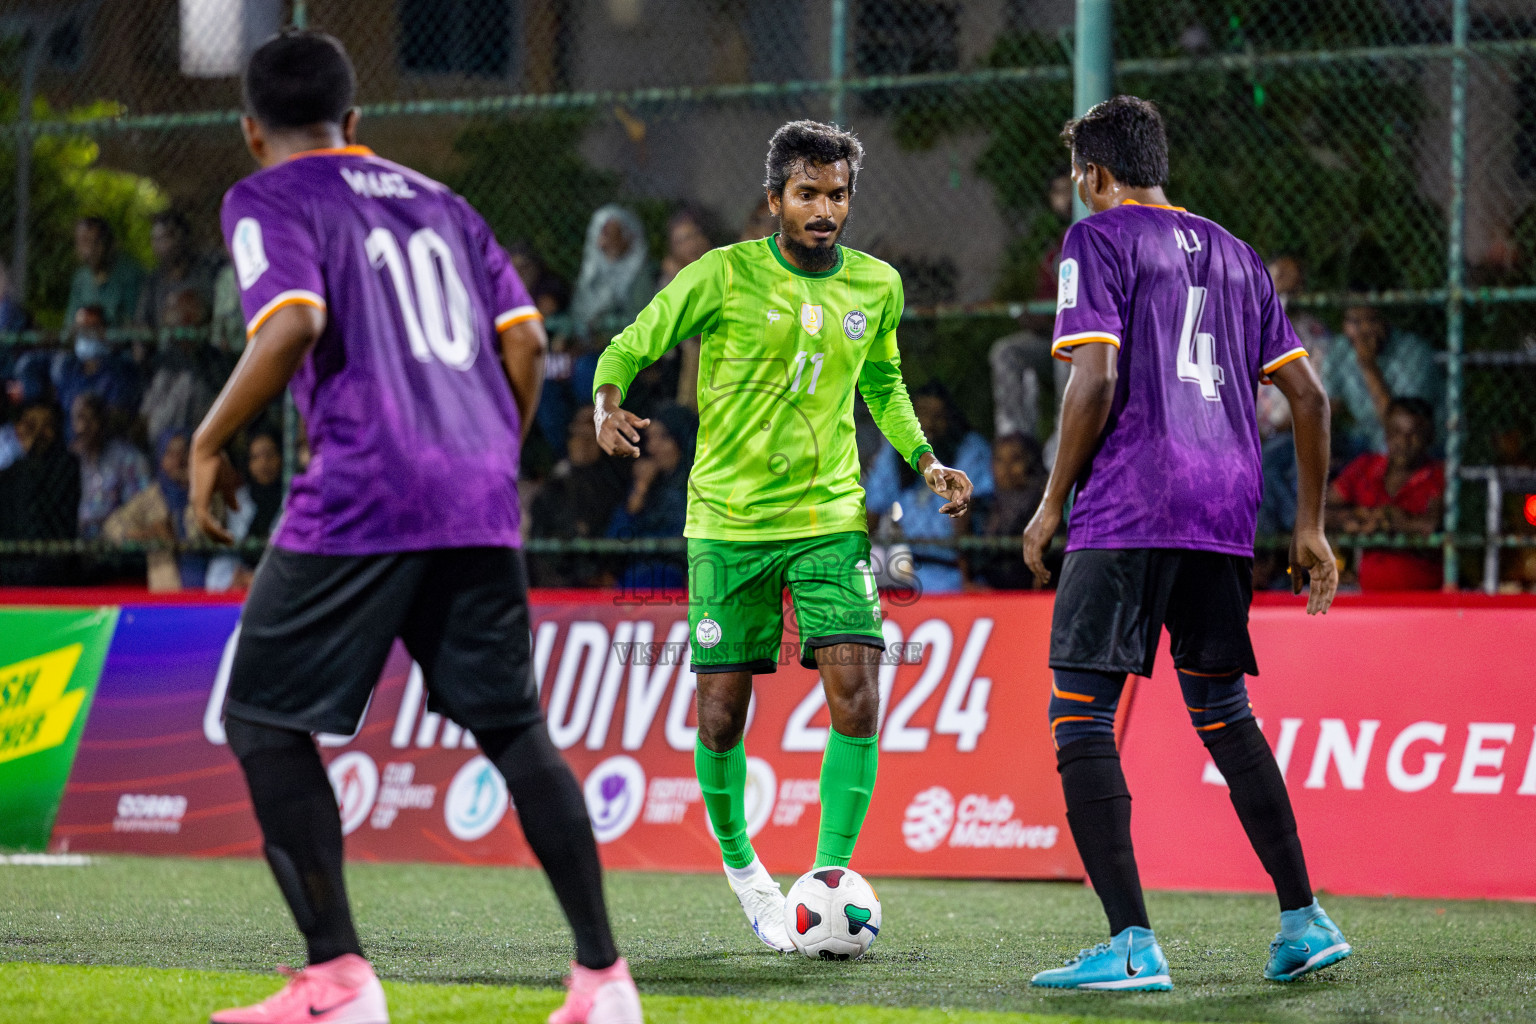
(837, 63)
(1455, 306)
(1093, 65)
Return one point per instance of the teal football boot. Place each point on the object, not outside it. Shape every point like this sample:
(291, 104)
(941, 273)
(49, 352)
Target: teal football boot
(1323, 945)
(1130, 962)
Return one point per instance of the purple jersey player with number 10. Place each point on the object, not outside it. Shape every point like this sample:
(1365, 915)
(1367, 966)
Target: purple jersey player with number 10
(1170, 323)
(415, 357)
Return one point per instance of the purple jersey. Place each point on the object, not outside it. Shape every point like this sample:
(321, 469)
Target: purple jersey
(1197, 323)
(413, 430)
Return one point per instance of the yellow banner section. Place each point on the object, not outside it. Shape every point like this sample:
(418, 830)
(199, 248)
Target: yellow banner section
(35, 712)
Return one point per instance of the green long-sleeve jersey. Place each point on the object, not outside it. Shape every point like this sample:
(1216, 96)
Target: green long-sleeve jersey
(782, 352)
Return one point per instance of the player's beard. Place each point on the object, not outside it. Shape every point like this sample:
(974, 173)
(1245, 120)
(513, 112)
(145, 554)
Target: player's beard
(813, 258)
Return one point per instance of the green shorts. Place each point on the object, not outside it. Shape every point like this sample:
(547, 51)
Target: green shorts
(736, 600)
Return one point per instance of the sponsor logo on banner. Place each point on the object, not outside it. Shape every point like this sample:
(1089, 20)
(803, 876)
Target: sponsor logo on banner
(35, 712)
(762, 787)
(614, 791)
(399, 793)
(978, 822)
(928, 819)
(147, 813)
(794, 796)
(476, 801)
(667, 799)
(355, 780)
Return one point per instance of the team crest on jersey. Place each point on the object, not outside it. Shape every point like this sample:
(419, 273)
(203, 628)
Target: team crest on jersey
(708, 632)
(1066, 288)
(249, 252)
(810, 317)
(854, 324)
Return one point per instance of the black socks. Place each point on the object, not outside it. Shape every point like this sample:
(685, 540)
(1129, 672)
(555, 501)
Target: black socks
(1259, 796)
(301, 828)
(1099, 813)
(554, 819)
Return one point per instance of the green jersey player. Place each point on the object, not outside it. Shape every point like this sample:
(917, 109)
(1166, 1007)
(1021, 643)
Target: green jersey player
(791, 326)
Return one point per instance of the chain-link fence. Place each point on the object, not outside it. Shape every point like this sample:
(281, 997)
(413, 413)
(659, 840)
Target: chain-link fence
(1387, 147)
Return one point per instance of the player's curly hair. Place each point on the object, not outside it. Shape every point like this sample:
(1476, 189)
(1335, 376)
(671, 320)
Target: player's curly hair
(810, 142)
(1125, 136)
(299, 78)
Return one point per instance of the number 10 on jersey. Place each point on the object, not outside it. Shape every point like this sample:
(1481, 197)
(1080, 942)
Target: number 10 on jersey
(1197, 361)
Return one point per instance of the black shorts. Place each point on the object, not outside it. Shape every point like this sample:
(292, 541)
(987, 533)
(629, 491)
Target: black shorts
(317, 629)
(1111, 606)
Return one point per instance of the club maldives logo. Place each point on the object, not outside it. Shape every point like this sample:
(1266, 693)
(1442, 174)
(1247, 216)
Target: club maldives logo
(477, 800)
(928, 819)
(35, 712)
(355, 780)
(615, 792)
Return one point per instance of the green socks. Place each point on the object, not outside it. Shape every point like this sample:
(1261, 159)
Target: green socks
(723, 782)
(847, 782)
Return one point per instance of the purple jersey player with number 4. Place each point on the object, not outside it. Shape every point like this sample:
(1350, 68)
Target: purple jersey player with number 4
(415, 357)
(1170, 323)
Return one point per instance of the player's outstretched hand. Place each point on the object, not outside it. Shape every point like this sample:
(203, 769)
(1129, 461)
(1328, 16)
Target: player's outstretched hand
(1311, 555)
(212, 471)
(950, 484)
(618, 431)
(1037, 537)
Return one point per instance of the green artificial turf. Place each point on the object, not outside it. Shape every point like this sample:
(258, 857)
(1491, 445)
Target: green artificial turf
(944, 945)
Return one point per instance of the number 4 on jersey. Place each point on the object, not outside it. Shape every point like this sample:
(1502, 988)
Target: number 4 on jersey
(1197, 360)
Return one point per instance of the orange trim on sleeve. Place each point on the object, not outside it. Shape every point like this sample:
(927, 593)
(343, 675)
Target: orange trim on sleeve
(266, 314)
(1289, 357)
(518, 318)
(1073, 341)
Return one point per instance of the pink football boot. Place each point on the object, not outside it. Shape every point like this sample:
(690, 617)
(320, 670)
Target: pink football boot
(339, 991)
(608, 996)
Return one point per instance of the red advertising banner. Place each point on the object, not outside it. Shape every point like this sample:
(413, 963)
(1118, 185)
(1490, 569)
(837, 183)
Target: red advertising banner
(967, 783)
(1406, 738)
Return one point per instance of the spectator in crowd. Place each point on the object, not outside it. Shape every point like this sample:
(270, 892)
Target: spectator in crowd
(760, 222)
(657, 505)
(1018, 476)
(615, 283)
(188, 377)
(548, 289)
(687, 240)
(112, 471)
(261, 496)
(1378, 362)
(39, 496)
(226, 332)
(178, 268)
(13, 315)
(1277, 510)
(578, 501)
(1401, 492)
(158, 515)
(105, 278)
(93, 368)
(891, 482)
(1021, 362)
(616, 279)
(26, 383)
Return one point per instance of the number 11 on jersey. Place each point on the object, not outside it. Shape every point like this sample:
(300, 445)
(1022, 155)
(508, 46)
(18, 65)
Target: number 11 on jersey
(1197, 361)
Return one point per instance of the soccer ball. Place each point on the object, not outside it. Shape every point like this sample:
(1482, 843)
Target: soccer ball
(832, 914)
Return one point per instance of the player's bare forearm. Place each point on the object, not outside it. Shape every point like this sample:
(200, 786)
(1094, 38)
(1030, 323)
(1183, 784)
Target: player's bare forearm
(523, 346)
(1310, 552)
(264, 370)
(1298, 382)
(1085, 410)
